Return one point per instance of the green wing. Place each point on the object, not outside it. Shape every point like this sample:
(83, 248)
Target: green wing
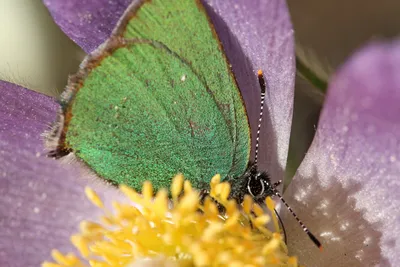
(146, 110)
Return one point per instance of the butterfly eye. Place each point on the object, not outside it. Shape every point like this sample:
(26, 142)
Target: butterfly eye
(255, 186)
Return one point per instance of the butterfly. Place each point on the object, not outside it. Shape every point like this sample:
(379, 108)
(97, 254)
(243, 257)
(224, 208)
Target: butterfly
(159, 98)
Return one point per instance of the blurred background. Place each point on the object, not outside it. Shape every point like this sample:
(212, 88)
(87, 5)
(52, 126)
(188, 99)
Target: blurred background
(36, 54)
(327, 32)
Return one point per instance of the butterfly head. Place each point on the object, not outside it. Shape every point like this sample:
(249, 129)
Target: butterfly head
(252, 182)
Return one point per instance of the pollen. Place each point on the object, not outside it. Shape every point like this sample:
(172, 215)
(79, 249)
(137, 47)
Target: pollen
(150, 229)
(271, 206)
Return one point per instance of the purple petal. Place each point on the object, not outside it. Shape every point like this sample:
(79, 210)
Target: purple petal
(41, 203)
(88, 23)
(259, 35)
(24, 115)
(347, 190)
(38, 207)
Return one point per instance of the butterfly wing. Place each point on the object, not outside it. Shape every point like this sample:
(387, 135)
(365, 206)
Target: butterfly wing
(146, 110)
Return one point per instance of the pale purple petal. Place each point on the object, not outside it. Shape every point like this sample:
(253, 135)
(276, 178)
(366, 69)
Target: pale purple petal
(24, 115)
(87, 22)
(258, 35)
(41, 203)
(347, 190)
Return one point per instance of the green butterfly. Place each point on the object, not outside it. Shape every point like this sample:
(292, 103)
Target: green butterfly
(158, 98)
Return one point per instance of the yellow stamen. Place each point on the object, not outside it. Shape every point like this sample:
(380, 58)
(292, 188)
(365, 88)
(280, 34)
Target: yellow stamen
(187, 186)
(271, 206)
(258, 210)
(161, 203)
(292, 262)
(185, 232)
(68, 260)
(176, 187)
(272, 245)
(90, 227)
(262, 220)
(247, 204)
(213, 183)
(130, 193)
(147, 191)
(50, 264)
(93, 197)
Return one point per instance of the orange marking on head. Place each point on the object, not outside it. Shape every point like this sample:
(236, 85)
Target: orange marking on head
(259, 72)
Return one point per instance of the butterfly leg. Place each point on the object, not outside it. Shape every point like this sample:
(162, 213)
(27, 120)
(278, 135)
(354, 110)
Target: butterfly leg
(203, 194)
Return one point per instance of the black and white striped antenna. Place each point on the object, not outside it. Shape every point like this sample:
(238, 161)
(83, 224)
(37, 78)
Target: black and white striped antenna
(261, 81)
(305, 229)
(273, 187)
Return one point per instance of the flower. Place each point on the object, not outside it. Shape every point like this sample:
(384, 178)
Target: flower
(177, 234)
(346, 189)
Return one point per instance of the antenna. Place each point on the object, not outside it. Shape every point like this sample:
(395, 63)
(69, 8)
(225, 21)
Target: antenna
(273, 187)
(261, 81)
(305, 229)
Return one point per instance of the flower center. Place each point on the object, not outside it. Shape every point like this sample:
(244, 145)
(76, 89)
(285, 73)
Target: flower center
(184, 231)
